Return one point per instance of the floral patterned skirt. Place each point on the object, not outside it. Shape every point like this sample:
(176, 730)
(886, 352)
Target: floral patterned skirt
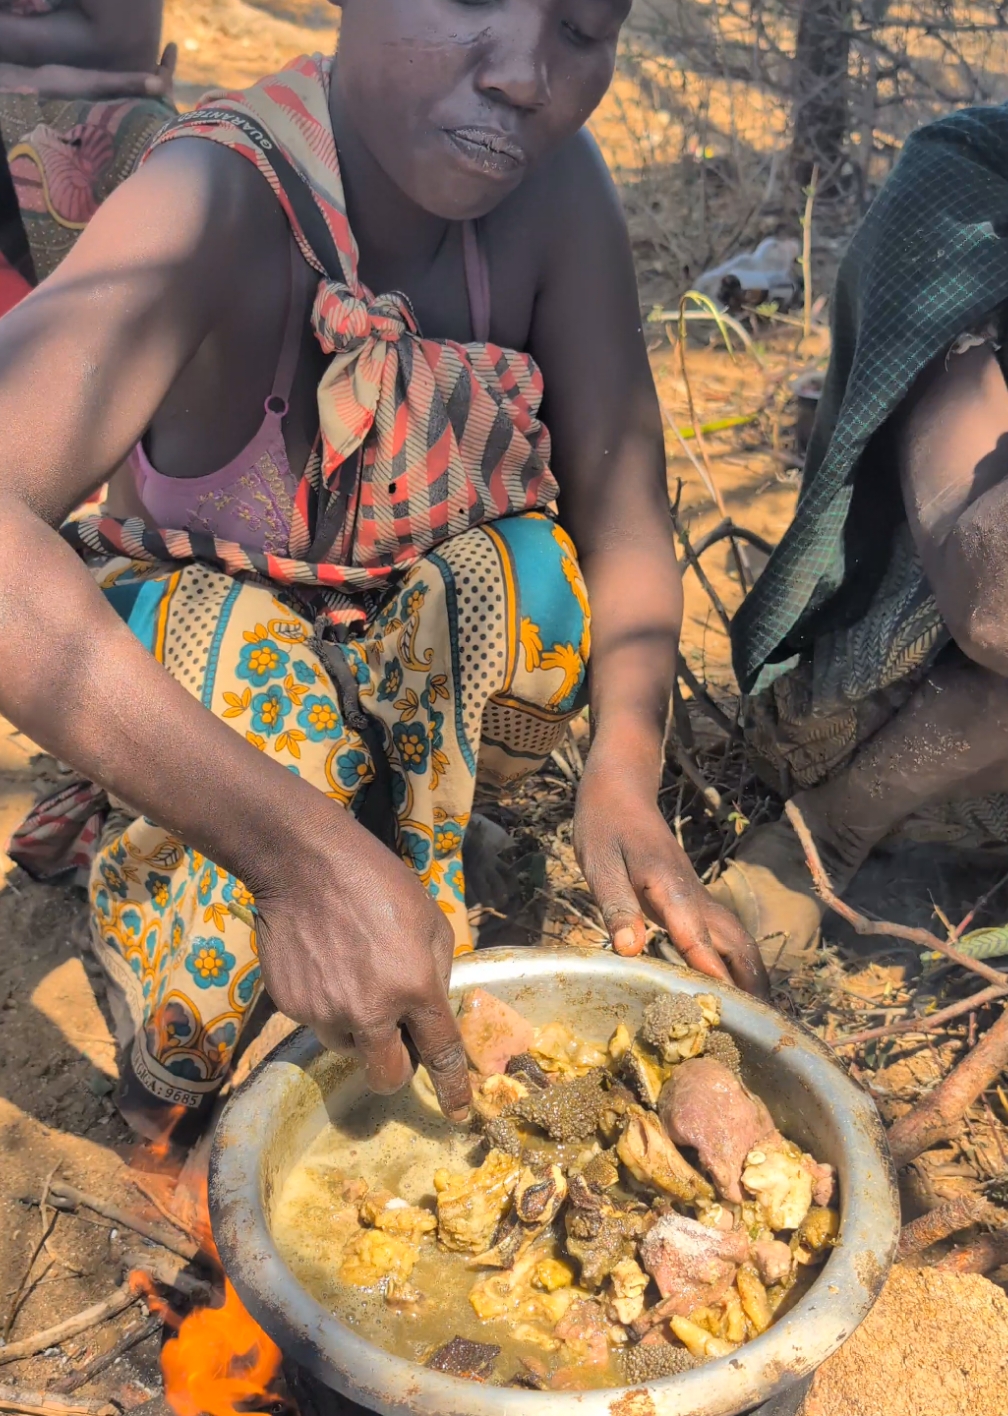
(472, 668)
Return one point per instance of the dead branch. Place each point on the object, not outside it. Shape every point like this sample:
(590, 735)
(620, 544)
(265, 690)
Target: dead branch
(806, 259)
(923, 938)
(929, 1023)
(66, 1197)
(694, 560)
(705, 702)
(104, 1360)
(947, 1219)
(169, 1273)
(109, 1307)
(44, 1403)
(938, 1117)
(984, 1255)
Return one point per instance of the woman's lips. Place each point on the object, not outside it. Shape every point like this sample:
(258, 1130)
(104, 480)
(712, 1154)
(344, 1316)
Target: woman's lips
(492, 152)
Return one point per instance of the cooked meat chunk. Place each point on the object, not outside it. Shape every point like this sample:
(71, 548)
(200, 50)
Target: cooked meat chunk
(693, 1266)
(773, 1260)
(628, 1284)
(582, 1330)
(572, 1110)
(644, 1073)
(601, 1232)
(818, 1234)
(753, 1293)
(513, 1293)
(527, 1070)
(723, 1048)
(537, 1200)
(562, 1053)
(371, 1256)
(780, 1177)
(651, 1158)
(495, 1094)
(702, 1344)
(824, 1183)
(601, 1172)
(462, 1358)
(675, 1026)
(706, 1106)
(470, 1206)
(650, 1361)
(492, 1032)
(402, 1297)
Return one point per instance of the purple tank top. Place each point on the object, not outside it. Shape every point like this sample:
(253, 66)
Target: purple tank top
(251, 499)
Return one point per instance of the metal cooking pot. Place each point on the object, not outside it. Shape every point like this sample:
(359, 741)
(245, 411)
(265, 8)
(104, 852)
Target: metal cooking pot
(272, 1120)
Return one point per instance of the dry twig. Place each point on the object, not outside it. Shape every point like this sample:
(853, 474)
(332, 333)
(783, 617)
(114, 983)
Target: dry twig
(109, 1307)
(984, 1255)
(929, 1023)
(939, 1115)
(104, 1360)
(44, 1403)
(923, 938)
(66, 1197)
(937, 1225)
(810, 197)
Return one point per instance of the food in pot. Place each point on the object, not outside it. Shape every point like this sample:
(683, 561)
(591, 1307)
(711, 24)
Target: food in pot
(619, 1213)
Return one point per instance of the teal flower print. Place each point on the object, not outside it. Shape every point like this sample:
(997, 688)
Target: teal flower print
(114, 882)
(207, 883)
(209, 963)
(415, 850)
(455, 880)
(304, 673)
(320, 718)
(399, 790)
(246, 986)
(412, 745)
(269, 711)
(262, 661)
(159, 889)
(354, 769)
(391, 684)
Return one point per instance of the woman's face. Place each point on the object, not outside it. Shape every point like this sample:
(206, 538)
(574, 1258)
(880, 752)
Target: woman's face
(457, 99)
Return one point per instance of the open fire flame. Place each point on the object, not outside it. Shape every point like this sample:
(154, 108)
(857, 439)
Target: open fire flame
(219, 1362)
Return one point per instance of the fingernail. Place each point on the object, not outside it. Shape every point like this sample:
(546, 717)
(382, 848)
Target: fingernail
(459, 1117)
(624, 941)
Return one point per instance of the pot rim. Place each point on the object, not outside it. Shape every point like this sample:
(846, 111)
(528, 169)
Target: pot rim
(838, 1300)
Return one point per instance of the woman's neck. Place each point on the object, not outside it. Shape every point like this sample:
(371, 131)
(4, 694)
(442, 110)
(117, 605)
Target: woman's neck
(398, 240)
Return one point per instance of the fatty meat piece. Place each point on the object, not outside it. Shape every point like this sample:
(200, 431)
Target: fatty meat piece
(692, 1265)
(773, 1260)
(470, 1205)
(780, 1177)
(704, 1105)
(652, 1159)
(492, 1032)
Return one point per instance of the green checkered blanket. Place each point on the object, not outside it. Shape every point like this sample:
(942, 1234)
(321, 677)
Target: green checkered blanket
(929, 261)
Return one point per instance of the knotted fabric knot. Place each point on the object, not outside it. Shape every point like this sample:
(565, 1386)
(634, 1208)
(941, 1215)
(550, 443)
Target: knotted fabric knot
(344, 320)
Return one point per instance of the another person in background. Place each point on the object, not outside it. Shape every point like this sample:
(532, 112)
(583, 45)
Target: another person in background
(81, 95)
(875, 644)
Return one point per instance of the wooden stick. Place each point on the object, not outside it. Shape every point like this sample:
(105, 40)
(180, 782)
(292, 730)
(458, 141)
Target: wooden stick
(109, 1307)
(937, 1225)
(104, 1360)
(705, 702)
(66, 1197)
(923, 938)
(938, 1117)
(928, 1023)
(44, 1403)
(701, 574)
(988, 1252)
(169, 1273)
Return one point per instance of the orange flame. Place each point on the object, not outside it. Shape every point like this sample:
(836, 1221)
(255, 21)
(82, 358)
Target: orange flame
(220, 1363)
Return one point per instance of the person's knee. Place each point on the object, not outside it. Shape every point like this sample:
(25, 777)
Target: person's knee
(970, 592)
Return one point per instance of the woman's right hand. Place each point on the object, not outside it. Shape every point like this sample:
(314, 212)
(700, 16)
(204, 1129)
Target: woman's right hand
(351, 945)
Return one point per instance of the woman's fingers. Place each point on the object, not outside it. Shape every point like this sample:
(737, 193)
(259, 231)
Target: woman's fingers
(617, 902)
(742, 953)
(436, 1037)
(386, 1061)
(680, 915)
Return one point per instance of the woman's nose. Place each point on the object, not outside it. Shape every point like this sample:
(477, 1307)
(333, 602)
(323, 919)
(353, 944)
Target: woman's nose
(515, 68)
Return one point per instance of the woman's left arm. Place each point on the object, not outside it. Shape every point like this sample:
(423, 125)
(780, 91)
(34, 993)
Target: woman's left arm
(94, 34)
(609, 459)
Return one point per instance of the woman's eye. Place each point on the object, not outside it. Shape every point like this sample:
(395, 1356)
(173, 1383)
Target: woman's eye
(578, 36)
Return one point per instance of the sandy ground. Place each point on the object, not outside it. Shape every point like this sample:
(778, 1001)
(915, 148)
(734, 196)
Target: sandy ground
(56, 1051)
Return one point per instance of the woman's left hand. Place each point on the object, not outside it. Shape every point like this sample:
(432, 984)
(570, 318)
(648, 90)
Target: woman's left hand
(634, 866)
(65, 81)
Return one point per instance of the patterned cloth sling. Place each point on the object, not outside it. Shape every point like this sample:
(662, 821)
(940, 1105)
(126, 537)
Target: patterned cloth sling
(421, 439)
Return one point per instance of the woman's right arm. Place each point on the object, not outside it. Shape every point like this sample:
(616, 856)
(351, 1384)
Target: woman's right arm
(349, 942)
